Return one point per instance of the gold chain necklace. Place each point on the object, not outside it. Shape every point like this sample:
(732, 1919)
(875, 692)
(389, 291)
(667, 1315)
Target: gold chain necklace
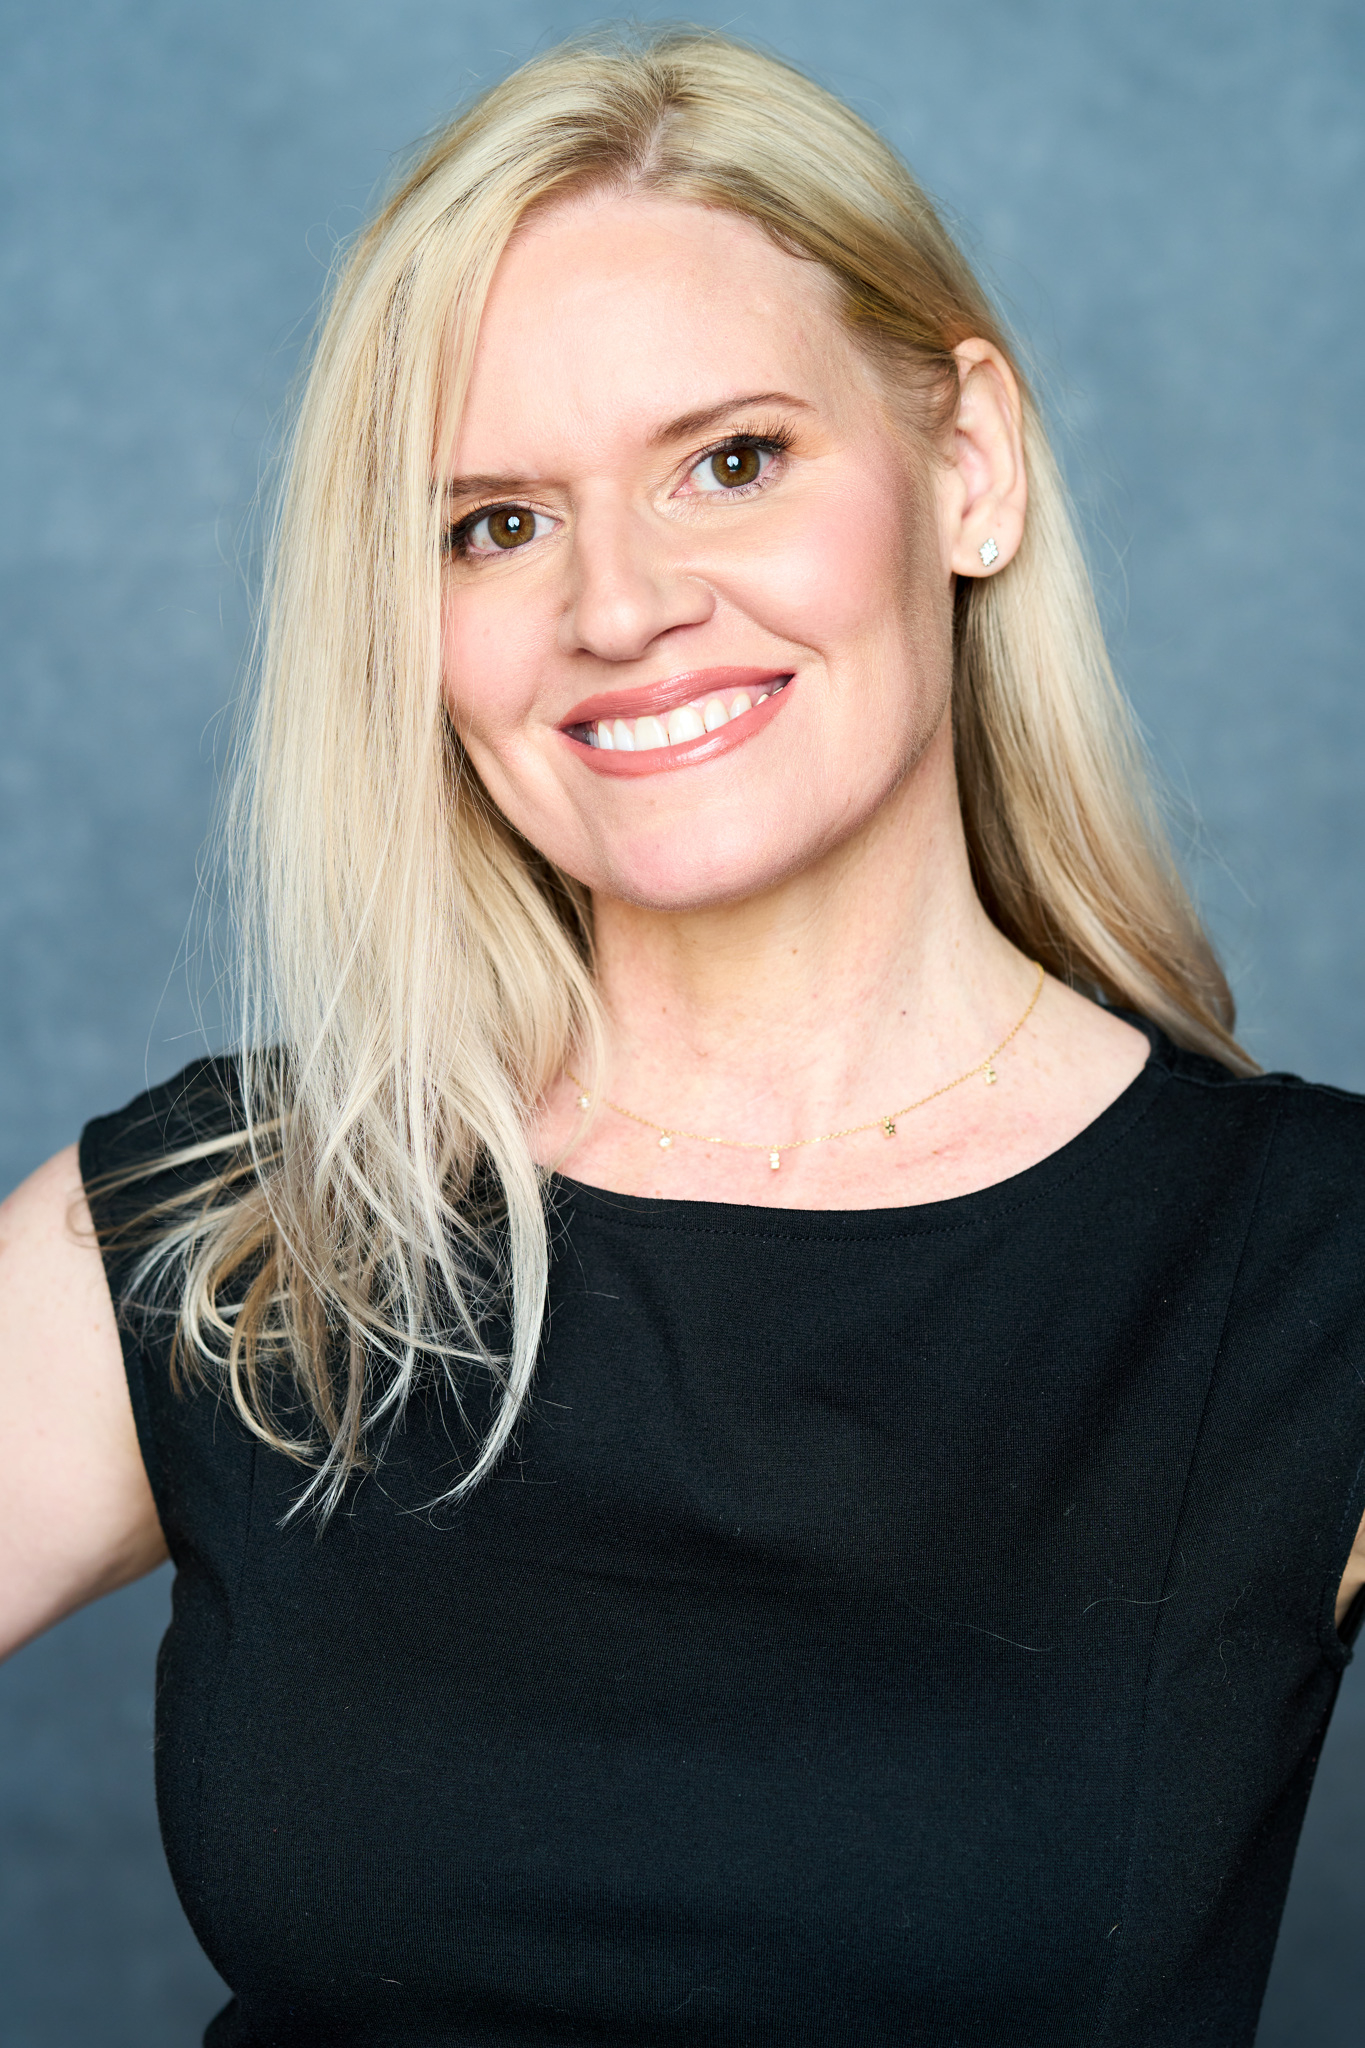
(886, 1124)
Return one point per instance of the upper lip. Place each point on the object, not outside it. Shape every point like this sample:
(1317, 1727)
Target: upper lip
(650, 699)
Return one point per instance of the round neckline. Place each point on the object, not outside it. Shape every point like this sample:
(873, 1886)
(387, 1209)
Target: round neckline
(951, 1212)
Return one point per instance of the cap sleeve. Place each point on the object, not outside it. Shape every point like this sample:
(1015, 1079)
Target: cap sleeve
(176, 1429)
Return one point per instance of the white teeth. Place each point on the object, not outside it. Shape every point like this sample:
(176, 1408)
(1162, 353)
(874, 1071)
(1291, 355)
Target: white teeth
(686, 723)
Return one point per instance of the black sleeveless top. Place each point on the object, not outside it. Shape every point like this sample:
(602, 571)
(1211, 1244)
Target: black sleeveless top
(896, 1626)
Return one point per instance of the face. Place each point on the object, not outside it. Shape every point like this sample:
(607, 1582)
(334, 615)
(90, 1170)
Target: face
(697, 613)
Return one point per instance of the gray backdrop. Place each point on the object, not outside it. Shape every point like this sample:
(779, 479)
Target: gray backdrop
(1168, 197)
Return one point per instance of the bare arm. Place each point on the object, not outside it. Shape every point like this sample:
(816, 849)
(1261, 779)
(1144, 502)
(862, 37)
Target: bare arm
(77, 1517)
(1354, 1577)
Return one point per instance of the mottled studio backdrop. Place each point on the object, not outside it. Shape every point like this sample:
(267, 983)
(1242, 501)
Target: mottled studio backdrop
(1170, 198)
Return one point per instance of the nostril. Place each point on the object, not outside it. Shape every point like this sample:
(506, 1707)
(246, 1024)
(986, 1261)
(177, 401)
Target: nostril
(626, 600)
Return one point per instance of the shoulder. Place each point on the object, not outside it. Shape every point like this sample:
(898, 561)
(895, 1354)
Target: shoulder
(151, 1172)
(202, 1104)
(1302, 1143)
(77, 1516)
(1315, 1127)
(166, 1147)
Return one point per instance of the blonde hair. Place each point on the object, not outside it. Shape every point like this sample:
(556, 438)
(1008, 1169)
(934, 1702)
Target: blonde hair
(415, 975)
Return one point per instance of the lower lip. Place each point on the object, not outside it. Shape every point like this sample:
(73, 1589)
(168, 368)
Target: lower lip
(688, 753)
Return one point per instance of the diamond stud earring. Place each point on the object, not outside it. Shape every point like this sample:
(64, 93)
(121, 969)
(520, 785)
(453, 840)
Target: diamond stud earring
(988, 551)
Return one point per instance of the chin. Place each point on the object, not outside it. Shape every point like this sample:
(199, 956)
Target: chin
(680, 875)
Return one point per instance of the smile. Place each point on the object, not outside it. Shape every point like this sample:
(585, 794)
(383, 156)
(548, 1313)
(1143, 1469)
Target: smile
(674, 724)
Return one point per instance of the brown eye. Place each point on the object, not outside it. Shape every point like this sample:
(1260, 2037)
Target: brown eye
(732, 467)
(502, 528)
(509, 528)
(743, 463)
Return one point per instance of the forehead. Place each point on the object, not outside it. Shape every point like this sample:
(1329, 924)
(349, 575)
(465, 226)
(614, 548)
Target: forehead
(610, 314)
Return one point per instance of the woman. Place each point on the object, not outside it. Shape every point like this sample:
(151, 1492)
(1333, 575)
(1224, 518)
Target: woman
(859, 1556)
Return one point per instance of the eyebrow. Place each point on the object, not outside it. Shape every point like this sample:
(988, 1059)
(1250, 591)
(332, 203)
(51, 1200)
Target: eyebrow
(484, 486)
(709, 416)
(679, 429)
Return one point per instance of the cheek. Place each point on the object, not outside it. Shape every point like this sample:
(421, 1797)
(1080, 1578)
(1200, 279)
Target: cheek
(852, 573)
(492, 651)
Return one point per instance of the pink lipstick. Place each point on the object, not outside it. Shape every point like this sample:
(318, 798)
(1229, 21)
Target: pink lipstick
(676, 722)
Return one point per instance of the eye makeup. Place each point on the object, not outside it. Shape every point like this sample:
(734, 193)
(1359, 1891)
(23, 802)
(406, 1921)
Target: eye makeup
(521, 523)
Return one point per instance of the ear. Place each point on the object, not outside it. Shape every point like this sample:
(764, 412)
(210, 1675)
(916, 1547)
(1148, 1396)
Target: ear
(984, 490)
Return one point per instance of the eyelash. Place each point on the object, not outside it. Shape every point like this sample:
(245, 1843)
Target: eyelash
(771, 439)
(457, 535)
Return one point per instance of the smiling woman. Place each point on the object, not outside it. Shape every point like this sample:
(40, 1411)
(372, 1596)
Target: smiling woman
(757, 1409)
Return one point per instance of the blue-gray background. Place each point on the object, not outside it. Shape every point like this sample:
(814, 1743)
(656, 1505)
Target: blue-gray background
(1168, 198)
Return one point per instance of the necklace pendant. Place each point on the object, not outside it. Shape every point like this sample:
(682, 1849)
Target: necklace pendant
(583, 1102)
(990, 1077)
(774, 1159)
(664, 1142)
(888, 1127)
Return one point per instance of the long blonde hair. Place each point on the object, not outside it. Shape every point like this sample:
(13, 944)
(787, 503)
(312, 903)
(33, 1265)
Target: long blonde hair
(414, 974)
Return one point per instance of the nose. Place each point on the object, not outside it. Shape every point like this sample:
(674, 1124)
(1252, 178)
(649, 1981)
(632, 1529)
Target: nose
(628, 586)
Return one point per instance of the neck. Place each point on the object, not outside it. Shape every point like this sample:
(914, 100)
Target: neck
(837, 992)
